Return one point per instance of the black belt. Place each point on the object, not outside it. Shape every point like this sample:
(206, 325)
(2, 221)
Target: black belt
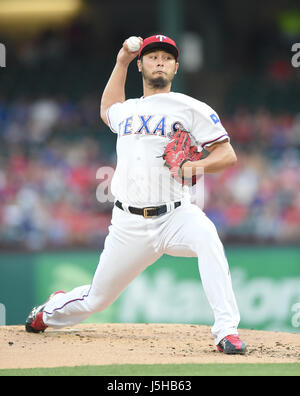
(149, 211)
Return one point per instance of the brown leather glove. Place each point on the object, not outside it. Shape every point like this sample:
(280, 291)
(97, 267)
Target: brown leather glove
(177, 152)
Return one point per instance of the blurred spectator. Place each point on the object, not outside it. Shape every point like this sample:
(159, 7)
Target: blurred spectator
(43, 116)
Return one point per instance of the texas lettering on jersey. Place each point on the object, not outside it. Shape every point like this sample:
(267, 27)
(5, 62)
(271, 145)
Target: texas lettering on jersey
(143, 124)
(151, 125)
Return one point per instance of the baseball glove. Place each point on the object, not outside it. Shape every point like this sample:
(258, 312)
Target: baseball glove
(177, 152)
(194, 154)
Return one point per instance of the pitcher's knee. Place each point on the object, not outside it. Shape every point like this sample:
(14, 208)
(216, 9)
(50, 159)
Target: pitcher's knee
(210, 247)
(97, 304)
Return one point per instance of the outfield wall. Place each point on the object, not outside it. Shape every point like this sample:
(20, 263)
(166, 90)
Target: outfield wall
(266, 282)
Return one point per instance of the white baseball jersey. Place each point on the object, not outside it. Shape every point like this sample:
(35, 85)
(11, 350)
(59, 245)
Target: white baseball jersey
(144, 127)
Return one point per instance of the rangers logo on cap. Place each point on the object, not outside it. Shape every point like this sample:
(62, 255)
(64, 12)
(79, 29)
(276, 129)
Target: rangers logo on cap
(159, 41)
(161, 37)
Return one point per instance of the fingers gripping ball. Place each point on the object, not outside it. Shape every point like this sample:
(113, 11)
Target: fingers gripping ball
(133, 44)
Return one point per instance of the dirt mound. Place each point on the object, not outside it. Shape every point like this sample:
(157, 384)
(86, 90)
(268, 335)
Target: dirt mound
(102, 344)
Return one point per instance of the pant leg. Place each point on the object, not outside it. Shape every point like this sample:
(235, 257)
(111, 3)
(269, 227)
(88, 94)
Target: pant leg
(193, 234)
(127, 252)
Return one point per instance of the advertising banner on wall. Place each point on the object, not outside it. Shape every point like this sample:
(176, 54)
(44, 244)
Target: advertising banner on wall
(266, 282)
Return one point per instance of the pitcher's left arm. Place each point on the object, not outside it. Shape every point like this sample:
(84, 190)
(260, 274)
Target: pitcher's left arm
(221, 156)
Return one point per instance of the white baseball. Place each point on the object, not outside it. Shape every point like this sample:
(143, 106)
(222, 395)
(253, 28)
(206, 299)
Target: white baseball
(133, 43)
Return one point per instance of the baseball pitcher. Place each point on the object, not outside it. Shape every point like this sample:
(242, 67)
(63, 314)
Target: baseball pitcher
(159, 141)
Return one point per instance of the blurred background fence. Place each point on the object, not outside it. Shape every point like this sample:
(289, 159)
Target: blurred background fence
(235, 56)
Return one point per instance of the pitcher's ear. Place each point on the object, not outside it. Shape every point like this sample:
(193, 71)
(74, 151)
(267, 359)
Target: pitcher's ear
(139, 65)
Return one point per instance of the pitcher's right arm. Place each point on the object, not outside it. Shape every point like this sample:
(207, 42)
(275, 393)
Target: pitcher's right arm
(114, 91)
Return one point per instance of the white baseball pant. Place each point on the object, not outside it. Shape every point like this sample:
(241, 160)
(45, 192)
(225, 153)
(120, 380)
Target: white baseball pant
(133, 244)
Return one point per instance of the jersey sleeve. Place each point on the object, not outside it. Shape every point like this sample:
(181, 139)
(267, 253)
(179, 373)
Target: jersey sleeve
(207, 128)
(113, 115)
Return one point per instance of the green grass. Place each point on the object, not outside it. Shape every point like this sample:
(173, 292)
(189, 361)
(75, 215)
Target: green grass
(286, 369)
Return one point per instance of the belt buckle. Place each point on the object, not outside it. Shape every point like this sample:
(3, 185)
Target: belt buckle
(146, 213)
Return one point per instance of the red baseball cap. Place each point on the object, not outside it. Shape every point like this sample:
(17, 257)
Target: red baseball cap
(159, 41)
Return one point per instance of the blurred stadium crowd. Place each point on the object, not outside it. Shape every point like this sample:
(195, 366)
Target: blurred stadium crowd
(51, 149)
(52, 142)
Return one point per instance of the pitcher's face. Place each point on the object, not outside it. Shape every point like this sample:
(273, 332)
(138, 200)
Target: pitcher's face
(158, 68)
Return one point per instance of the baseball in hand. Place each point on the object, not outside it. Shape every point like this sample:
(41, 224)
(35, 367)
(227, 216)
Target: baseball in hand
(133, 43)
